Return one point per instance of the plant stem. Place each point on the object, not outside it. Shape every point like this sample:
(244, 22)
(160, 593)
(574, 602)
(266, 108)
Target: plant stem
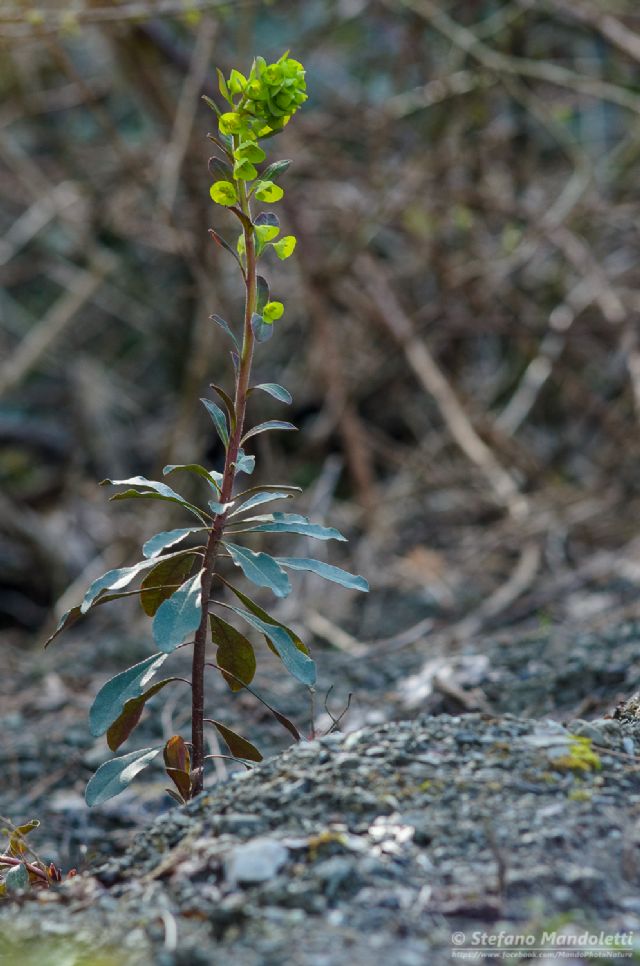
(208, 568)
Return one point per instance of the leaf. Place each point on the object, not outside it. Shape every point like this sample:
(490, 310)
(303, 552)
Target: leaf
(268, 219)
(245, 464)
(285, 247)
(264, 496)
(213, 478)
(179, 615)
(274, 390)
(260, 569)
(267, 191)
(17, 879)
(238, 746)
(211, 104)
(338, 576)
(136, 495)
(115, 775)
(225, 326)
(130, 715)
(265, 427)
(219, 169)
(119, 578)
(263, 615)
(168, 538)
(222, 243)
(235, 653)
(228, 402)
(178, 765)
(219, 508)
(222, 86)
(296, 662)
(163, 492)
(112, 696)
(273, 172)
(262, 293)
(219, 420)
(224, 193)
(74, 614)
(161, 582)
(293, 523)
(269, 488)
(262, 330)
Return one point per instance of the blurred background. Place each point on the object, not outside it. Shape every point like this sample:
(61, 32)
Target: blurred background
(460, 338)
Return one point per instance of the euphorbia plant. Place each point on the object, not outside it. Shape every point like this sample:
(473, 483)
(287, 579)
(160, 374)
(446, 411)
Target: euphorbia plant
(177, 588)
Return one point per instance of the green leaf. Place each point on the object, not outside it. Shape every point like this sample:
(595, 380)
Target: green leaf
(276, 391)
(269, 424)
(293, 523)
(161, 582)
(179, 615)
(263, 615)
(296, 661)
(235, 653)
(285, 247)
(264, 496)
(137, 495)
(224, 193)
(74, 614)
(245, 464)
(158, 491)
(228, 402)
(243, 170)
(260, 569)
(268, 191)
(273, 172)
(237, 82)
(220, 169)
(115, 775)
(211, 104)
(211, 476)
(168, 538)
(117, 579)
(130, 715)
(273, 311)
(269, 488)
(338, 576)
(238, 746)
(225, 325)
(220, 241)
(267, 227)
(219, 420)
(17, 879)
(262, 330)
(112, 696)
(262, 293)
(222, 86)
(250, 151)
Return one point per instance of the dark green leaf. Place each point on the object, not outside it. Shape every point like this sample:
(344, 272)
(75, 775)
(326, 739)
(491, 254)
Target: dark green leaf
(266, 426)
(130, 715)
(238, 746)
(119, 578)
(338, 576)
(273, 389)
(179, 615)
(269, 488)
(213, 478)
(260, 568)
(267, 218)
(273, 172)
(219, 420)
(74, 614)
(262, 330)
(262, 293)
(263, 615)
(245, 464)
(264, 496)
(293, 523)
(167, 538)
(220, 170)
(211, 104)
(137, 495)
(226, 328)
(115, 775)
(161, 582)
(222, 243)
(113, 695)
(228, 402)
(296, 662)
(235, 653)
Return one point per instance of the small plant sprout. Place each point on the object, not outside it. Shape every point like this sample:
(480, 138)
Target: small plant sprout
(181, 587)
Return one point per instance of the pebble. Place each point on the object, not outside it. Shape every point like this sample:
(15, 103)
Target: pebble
(255, 861)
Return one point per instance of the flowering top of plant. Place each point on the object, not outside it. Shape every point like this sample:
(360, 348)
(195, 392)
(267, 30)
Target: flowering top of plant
(177, 587)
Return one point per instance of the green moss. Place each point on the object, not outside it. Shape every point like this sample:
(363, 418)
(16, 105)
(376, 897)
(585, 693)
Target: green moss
(581, 757)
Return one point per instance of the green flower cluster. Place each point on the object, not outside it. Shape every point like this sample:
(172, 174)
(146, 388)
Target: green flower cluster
(264, 101)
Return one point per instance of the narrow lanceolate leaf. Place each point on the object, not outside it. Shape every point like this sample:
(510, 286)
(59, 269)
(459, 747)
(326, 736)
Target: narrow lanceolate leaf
(168, 538)
(213, 478)
(179, 615)
(161, 582)
(273, 172)
(263, 615)
(113, 695)
(292, 523)
(177, 761)
(130, 715)
(296, 662)
(276, 391)
(228, 402)
(226, 327)
(151, 489)
(220, 241)
(262, 330)
(235, 653)
(269, 488)
(338, 576)
(260, 569)
(265, 427)
(245, 464)
(117, 579)
(262, 293)
(74, 614)
(219, 420)
(261, 497)
(137, 495)
(238, 746)
(115, 775)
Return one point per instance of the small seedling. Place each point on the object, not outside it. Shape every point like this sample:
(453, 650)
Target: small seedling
(21, 869)
(177, 585)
